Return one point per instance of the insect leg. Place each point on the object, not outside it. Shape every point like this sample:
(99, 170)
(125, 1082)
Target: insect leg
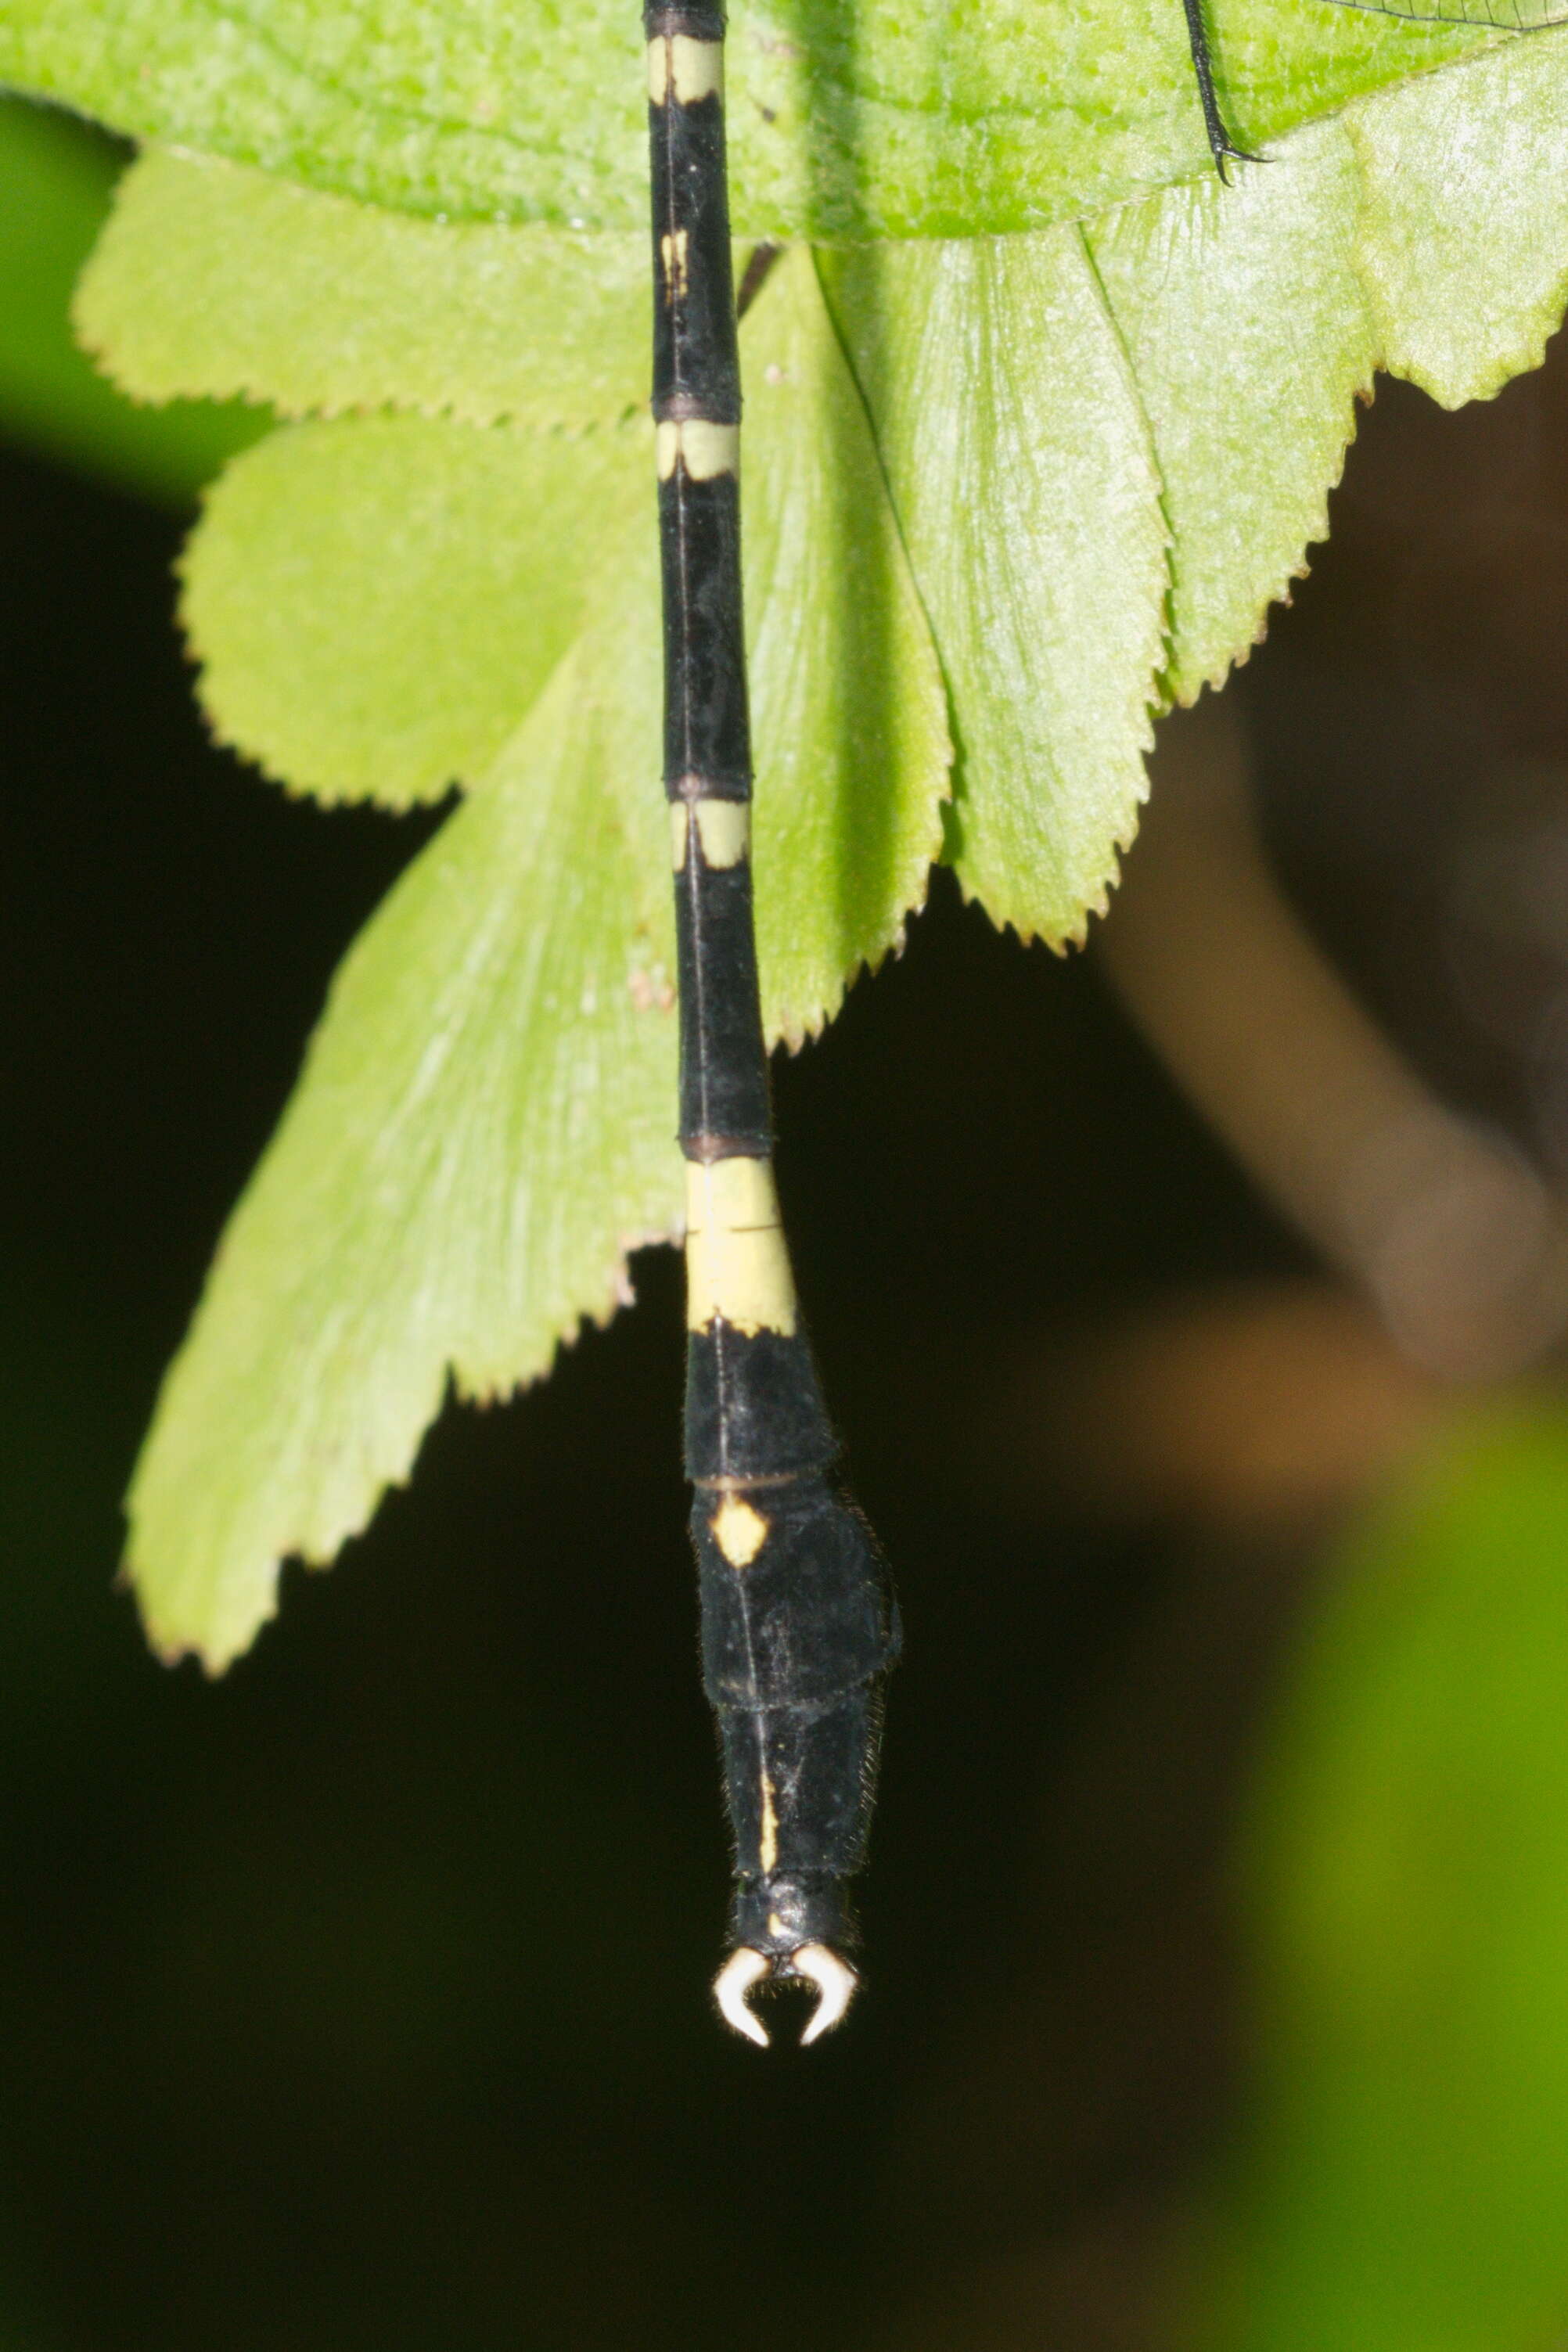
(1221, 144)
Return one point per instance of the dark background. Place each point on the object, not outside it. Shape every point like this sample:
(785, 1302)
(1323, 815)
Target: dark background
(360, 1999)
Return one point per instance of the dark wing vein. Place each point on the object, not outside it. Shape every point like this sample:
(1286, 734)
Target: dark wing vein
(1503, 16)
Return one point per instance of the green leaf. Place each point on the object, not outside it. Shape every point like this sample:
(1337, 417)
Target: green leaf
(376, 603)
(1099, 454)
(1030, 506)
(849, 706)
(56, 176)
(1247, 335)
(484, 1125)
(1405, 2176)
(1250, 317)
(928, 118)
(1464, 233)
(1427, 234)
(481, 1132)
(210, 279)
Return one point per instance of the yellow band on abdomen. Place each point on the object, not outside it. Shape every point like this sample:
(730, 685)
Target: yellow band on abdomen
(736, 1262)
(705, 450)
(687, 69)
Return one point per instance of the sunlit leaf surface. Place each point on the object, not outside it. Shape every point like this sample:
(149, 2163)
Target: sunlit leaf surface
(376, 603)
(932, 117)
(210, 279)
(484, 1123)
(1026, 487)
(1463, 232)
(1020, 463)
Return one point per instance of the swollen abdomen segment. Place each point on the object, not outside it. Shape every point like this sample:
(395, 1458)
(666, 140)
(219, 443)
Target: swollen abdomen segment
(797, 1631)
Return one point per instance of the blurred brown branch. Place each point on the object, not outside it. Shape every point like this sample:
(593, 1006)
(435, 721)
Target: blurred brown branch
(1447, 1229)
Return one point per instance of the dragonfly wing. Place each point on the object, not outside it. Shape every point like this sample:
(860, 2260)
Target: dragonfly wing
(1502, 15)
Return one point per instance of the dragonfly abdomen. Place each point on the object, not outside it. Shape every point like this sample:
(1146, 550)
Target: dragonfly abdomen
(798, 1628)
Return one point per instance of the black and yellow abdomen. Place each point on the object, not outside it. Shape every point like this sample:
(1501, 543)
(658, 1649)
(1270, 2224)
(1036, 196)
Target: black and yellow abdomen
(799, 1626)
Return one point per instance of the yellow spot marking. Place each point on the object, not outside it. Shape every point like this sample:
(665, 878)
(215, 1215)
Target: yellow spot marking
(679, 826)
(775, 1925)
(739, 1531)
(658, 72)
(672, 252)
(724, 828)
(768, 1852)
(736, 1262)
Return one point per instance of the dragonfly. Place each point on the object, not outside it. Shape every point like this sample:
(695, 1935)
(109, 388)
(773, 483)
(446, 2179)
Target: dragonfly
(800, 1628)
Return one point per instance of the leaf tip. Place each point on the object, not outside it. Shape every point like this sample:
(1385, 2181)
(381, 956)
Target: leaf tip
(213, 1650)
